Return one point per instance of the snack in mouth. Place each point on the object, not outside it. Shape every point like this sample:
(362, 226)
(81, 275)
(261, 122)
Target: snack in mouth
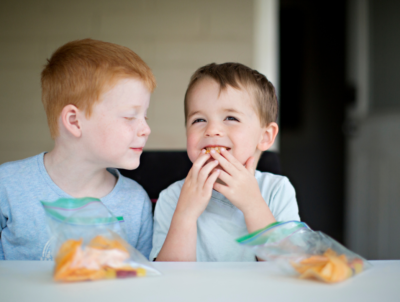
(328, 267)
(102, 258)
(217, 149)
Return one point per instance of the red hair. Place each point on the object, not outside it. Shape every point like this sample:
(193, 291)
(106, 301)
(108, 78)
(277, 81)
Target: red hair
(80, 71)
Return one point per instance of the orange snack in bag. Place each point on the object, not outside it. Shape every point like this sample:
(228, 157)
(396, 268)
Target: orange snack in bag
(328, 267)
(102, 258)
(102, 243)
(64, 258)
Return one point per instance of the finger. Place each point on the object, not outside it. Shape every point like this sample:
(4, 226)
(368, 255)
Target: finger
(220, 188)
(228, 166)
(211, 180)
(198, 164)
(226, 178)
(225, 153)
(203, 151)
(206, 170)
(250, 165)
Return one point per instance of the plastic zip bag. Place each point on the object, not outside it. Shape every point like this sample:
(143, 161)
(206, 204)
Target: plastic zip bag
(300, 251)
(88, 242)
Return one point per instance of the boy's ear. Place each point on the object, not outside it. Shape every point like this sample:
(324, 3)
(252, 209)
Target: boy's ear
(268, 136)
(70, 120)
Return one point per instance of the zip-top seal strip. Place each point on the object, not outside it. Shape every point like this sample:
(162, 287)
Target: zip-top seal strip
(70, 203)
(253, 236)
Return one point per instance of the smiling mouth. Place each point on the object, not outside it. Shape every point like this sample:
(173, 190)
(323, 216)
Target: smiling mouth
(216, 148)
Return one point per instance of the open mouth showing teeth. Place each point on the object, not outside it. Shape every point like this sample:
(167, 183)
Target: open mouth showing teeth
(217, 149)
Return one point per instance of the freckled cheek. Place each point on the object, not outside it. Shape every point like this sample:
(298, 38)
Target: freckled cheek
(113, 136)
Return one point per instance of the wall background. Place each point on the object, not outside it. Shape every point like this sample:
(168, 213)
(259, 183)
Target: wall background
(174, 38)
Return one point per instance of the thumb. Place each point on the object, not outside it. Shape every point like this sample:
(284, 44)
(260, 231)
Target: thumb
(250, 165)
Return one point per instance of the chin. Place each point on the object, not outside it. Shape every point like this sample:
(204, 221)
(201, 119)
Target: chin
(132, 165)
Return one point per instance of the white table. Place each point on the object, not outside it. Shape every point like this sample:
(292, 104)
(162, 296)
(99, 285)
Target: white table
(32, 281)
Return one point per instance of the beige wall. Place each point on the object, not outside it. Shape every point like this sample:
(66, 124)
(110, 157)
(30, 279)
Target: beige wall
(174, 37)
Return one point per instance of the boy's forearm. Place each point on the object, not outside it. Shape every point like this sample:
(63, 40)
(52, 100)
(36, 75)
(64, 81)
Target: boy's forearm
(180, 243)
(258, 216)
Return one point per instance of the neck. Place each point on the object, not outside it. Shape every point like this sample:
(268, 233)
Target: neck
(75, 175)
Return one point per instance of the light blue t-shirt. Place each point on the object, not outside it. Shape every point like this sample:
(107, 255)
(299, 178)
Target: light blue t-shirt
(222, 223)
(24, 232)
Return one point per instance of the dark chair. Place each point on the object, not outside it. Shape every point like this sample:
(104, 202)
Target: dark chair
(159, 169)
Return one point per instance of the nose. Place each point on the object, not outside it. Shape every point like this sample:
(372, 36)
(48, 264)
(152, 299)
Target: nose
(144, 129)
(213, 129)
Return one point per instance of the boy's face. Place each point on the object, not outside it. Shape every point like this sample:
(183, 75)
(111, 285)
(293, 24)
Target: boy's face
(224, 118)
(116, 132)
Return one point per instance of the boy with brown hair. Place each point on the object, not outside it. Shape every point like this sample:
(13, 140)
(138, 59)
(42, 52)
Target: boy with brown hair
(231, 113)
(96, 95)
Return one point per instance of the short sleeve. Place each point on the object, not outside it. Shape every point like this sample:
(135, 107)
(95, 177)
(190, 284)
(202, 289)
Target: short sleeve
(144, 243)
(283, 203)
(164, 211)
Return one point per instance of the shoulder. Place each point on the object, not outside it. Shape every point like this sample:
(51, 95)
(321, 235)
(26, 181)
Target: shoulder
(15, 169)
(171, 194)
(272, 181)
(130, 187)
(280, 196)
(274, 187)
(168, 199)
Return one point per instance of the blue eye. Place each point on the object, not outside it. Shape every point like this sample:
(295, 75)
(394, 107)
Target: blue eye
(231, 118)
(198, 120)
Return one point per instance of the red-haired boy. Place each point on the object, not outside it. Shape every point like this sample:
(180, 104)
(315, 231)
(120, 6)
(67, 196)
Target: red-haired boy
(96, 95)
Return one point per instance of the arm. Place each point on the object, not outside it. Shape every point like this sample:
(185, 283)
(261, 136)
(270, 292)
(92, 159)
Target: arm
(180, 242)
(144, 243)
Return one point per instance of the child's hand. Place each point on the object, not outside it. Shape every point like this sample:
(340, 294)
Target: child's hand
(241, 188)
(197, 189)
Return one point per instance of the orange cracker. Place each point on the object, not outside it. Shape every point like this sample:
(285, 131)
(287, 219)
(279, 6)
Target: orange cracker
(102, 243)
(65, 257)
(329, 267)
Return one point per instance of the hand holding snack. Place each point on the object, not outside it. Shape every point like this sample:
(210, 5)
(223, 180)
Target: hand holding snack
(240, 185)
(197, 188)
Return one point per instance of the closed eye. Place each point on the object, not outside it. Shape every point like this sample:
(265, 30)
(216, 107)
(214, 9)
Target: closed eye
(129, 118)
(231, 118)
(198, 120)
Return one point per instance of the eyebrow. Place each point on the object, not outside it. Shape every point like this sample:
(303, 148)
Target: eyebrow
(231, 110)
(132, 107)
(193, 113)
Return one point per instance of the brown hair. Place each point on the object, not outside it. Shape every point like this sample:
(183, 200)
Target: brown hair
(240, 76)
(80, 71)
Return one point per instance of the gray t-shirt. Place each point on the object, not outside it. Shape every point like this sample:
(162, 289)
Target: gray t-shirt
(221, 222)
(24, 233)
